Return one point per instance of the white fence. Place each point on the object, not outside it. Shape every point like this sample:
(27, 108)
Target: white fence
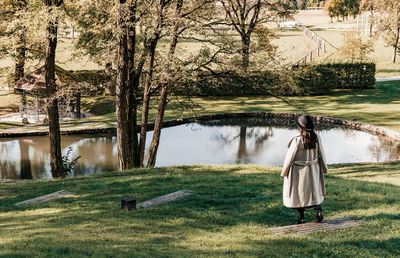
(321, 47)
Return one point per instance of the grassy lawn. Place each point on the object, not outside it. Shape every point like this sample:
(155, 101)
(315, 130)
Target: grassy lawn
(9, 102)
(378, 106)
(229, 216)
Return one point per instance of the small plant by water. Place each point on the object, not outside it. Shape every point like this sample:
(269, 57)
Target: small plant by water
(67, 163)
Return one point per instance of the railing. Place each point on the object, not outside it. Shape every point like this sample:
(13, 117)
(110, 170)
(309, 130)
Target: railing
(321, 47)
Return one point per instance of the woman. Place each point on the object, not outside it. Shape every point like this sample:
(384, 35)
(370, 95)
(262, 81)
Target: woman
(303, 171)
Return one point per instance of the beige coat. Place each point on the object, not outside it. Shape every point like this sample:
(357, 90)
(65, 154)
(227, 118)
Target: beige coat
(303, 172)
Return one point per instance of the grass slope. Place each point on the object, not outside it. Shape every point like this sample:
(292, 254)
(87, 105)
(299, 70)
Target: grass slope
(229, 216)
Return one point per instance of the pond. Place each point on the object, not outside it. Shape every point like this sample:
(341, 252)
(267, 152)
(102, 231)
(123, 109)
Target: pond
(226, 141)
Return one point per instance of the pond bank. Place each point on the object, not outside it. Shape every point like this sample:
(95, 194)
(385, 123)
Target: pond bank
(375, 130)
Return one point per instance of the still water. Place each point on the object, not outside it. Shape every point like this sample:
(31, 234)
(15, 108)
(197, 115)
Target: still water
(214, 142)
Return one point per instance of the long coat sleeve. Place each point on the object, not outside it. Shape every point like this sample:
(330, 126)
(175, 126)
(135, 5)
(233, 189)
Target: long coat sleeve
(303, 172)
(291, 153)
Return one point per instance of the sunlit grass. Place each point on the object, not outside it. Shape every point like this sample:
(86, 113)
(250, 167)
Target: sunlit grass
(230, 214)
(378, 106)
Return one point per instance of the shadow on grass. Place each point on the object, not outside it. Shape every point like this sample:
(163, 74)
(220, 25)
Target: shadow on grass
(384, 93)
(229, 204)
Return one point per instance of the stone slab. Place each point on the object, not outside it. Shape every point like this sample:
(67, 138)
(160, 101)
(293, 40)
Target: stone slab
(46, 198)
(306, 228)
(164, 199)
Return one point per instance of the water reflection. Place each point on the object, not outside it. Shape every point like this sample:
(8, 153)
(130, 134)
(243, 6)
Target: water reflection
(234, 141)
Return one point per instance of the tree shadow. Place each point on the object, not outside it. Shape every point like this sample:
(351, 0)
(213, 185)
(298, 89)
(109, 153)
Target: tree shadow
(235, 196)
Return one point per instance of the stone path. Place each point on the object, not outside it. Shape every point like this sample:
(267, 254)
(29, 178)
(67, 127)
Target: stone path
(386, 79)
(164, 199)
(47, 197)
(314, 226)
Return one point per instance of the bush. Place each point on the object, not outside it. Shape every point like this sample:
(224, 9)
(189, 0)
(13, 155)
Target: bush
(313, 80)
(228, 83)
(93, 77)
(301, 80)
(353, 75)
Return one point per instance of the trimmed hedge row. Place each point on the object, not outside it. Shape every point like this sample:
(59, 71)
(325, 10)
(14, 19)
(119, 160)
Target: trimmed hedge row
(94, 77)
(301, 80)
(353, 75)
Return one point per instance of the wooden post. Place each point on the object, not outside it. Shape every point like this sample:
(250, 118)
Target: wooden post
(128, 204)
(22, 109)
(78, 105)
(36, 103)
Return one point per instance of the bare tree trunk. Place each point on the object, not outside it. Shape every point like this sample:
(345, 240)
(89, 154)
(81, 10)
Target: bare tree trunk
(396, 44)
(57, 168)
(78, 105)
(245, 53)
(157, 127)
(146, 94)
(145, 110)
(134, 80)
(125, 158)
(109, 89)
(162, 104)
(20, 57)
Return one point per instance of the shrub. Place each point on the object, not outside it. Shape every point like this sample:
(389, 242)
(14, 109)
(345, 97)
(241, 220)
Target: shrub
(353, 75)
(300, 80)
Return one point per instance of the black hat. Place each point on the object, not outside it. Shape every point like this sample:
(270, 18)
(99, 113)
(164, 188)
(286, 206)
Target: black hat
(305, 122)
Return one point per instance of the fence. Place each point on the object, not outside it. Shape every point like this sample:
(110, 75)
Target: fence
(321, 47)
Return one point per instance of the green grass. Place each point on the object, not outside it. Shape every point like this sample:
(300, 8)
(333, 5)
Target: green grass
(378, 106)
(229, 216)
(9, 102)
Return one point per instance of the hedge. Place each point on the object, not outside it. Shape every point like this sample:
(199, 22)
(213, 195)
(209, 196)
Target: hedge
(353, 75)
(301, 80)
(94, 77)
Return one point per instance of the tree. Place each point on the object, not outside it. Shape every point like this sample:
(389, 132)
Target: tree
(369, 5)
(144, 70)
(17, 40)
(96, 21)
(185, 15)
(342, 8)
(244, 16)
(57, 168)
(160, 23)
(355, 49)
(389, 23)
(130, 72)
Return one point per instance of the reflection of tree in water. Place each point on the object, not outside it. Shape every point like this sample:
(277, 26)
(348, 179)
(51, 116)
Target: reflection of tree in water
(351, 133)
(25, 161)
(96, 155)
(33, 165)
(380, 145)
(243, 155)
(8, 170)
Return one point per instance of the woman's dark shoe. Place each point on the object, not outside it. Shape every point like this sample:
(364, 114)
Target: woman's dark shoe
(318, 214)
(301, 219)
